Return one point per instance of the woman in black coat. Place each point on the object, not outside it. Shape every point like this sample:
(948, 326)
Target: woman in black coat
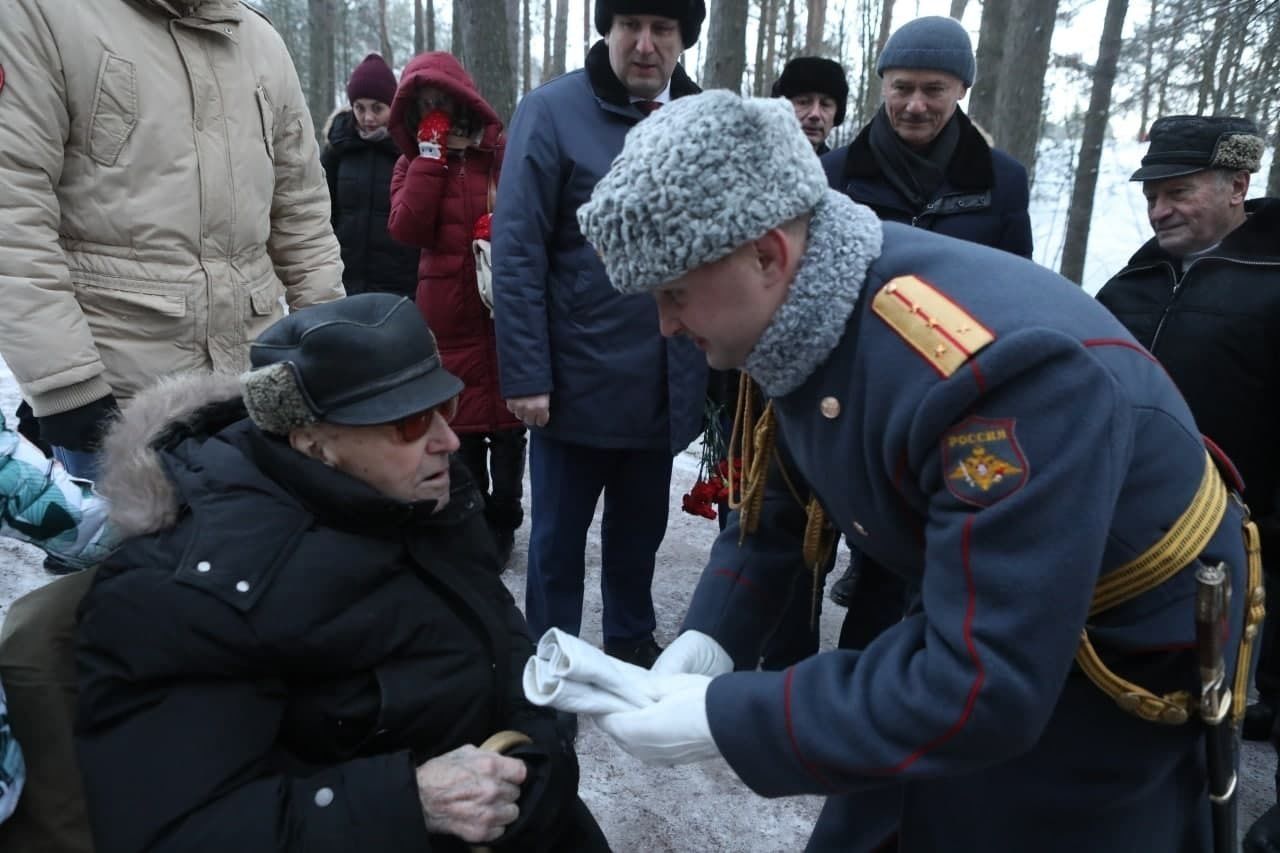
(359, 157)
(306, 634)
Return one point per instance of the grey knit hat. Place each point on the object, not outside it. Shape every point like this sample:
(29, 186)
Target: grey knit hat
(695, 180)
(936, 43)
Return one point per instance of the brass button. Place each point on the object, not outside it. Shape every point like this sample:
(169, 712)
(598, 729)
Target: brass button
(830, 407)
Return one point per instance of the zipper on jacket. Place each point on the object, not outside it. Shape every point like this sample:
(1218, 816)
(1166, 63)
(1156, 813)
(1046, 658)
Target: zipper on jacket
(1179, 279)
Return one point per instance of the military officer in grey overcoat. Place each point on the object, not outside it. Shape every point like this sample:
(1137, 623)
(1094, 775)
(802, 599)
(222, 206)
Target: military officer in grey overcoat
(980, 427)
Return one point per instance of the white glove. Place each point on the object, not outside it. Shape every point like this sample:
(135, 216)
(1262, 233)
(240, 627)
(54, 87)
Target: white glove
(672, 731)
(694, 652)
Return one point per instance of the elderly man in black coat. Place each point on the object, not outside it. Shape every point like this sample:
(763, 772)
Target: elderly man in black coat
(306, 635)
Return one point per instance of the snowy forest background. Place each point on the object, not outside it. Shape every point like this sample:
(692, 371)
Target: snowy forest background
(1068, 87)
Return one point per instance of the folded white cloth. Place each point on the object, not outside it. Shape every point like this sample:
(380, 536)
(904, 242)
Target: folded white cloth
(572, 675)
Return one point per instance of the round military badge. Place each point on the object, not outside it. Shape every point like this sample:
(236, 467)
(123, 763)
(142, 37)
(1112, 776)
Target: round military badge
(981, 460)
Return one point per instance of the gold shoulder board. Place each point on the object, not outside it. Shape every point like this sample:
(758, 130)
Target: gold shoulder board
(942, 332)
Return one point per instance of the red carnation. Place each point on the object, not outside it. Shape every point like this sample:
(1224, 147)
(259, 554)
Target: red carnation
(483, 228)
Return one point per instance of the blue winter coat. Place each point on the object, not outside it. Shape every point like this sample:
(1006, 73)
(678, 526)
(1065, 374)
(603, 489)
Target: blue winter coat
(966, 726)
(614, 381)
(983, 199)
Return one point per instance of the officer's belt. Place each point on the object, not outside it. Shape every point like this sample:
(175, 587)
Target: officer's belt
(1183, 542)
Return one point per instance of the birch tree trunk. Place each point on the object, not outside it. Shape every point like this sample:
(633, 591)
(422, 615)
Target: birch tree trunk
(457, 44)
(1209, 60)
(990, 59)
(761, 71)
(419, 33)
(384, 40)
(789, 46)
(320, 38)
(771, 46)
(489, 59)
(548, 27)
(726, 46)
(872, 93)
(562, 36)
(526, 61)
(1148, 70)
(815, 28)
(1080, 214)
(1020, 105)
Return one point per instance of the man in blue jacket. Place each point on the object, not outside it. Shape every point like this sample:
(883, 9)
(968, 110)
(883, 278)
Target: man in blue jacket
(921, 161)
(980, 428)
(607, 400)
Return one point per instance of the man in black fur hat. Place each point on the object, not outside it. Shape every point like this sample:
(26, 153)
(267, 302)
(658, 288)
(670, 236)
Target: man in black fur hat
(819, 91)
(607, 400)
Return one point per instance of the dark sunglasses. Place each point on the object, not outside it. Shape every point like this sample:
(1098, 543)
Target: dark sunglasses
(415, 426)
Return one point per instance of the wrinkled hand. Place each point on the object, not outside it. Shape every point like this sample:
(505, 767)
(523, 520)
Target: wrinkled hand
(693, 652)
(470, 793)
(672, 731)
(533, 411)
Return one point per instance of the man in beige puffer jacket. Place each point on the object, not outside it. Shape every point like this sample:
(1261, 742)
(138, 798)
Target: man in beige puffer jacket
(161, 190)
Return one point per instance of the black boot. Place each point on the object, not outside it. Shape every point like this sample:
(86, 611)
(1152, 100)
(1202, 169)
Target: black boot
(842, 589)
(1259, 720)
(1264, 835)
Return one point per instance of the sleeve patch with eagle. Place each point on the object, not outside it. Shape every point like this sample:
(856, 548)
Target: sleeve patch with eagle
(981, 460)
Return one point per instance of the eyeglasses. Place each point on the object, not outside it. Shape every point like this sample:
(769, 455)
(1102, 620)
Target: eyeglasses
(415, 426)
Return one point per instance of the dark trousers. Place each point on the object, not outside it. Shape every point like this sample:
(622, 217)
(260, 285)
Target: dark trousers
(566, 481)
(496, 463)
(878, 602)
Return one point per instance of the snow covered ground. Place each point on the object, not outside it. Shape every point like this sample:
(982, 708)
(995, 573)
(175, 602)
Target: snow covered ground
(704, 807)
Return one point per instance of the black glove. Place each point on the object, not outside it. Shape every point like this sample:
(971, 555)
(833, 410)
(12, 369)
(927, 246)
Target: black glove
(79, 429)
(1264, 836)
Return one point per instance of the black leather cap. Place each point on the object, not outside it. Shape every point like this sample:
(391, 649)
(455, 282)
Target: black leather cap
(1183, 145)
(365, 359)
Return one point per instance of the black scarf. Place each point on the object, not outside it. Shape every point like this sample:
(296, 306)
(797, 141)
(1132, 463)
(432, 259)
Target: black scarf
(916, 175)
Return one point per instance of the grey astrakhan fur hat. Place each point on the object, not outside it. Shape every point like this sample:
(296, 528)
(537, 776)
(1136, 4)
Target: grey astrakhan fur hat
(697, 179)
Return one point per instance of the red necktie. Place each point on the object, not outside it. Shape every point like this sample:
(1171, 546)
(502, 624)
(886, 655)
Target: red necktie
(647, 107)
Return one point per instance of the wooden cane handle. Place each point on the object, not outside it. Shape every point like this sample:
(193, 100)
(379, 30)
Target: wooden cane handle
(501, 742)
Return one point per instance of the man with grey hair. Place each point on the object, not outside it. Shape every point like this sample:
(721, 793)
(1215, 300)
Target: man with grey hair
(950, 407)
(1203, 295)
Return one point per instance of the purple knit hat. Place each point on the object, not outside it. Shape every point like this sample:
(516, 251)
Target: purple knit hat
(373, 78)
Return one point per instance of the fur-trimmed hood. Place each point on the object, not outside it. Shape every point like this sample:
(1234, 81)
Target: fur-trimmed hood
(132, 473)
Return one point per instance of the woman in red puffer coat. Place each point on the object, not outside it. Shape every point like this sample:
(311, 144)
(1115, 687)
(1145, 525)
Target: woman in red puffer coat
(451, 144)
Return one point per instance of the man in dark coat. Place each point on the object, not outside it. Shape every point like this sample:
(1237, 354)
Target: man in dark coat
(1203, 295)
(921, 161)
(358, 159)
(306, 634)
(981, 428)
(608, 401)
(819, 91)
